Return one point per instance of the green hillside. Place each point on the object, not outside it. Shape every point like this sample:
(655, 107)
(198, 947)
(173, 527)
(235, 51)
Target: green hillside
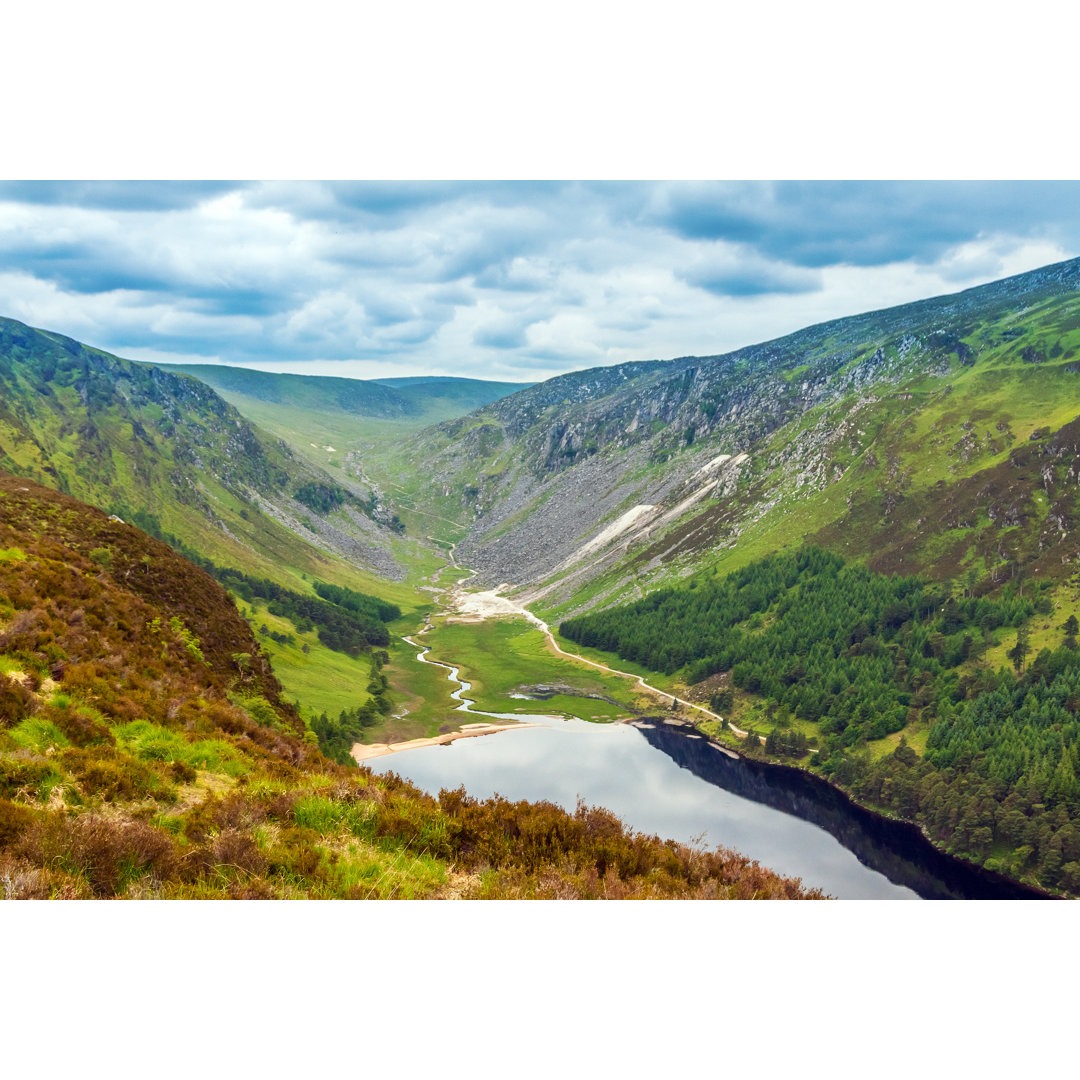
(146, 752)
(165, 452)
(931, 437)
(134, 439)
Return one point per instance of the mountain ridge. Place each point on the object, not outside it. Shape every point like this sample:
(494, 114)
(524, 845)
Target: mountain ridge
(394, 398)
(137, 438)
(539, 475)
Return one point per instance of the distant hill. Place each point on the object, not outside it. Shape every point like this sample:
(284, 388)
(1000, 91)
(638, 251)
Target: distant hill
(421, 399)
(303, 391)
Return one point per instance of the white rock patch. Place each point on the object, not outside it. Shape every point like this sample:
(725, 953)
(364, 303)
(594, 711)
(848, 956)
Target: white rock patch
(710, 465)
(619, 525)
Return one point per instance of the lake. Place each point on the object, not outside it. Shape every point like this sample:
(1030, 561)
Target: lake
(662, 778)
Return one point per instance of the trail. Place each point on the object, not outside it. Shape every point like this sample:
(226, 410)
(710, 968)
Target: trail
(491, 603)
(464, 604)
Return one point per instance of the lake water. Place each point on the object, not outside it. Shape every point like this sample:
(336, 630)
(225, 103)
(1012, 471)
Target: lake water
(614, 766)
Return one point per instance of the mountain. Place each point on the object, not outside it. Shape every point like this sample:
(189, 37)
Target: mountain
(166, 449)
(937, 436)
(146, 752)
(441, 397)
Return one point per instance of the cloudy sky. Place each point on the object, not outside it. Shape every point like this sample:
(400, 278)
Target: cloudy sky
(514, 281)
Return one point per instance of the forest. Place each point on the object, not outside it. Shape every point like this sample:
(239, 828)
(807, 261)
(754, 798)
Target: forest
(348, 629)
(860, 656)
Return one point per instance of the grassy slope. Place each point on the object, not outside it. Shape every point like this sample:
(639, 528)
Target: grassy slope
(137, 761)
(128, 438)
(318, 681)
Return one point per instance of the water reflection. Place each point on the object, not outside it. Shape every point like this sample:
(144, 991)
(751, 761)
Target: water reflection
(896, 849)
(614, 765)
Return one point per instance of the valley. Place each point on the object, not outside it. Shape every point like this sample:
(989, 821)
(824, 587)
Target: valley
(851, 552)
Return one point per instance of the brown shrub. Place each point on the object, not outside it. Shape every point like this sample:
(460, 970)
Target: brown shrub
(15, 819)
(181, 772)
(16, 701)
(224, 856)
(237, 850)
(21, 632)
(297, 855)
(235, 811)
(252, 889)
(120, 709)
(21, 880)
(114, 775)
(23, 775)
(79, 728)
(201, 820)
(87, 676)
(280, 807)
(107, 852)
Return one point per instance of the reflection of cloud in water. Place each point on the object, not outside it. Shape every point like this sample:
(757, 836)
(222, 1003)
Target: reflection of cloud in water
(612, 765)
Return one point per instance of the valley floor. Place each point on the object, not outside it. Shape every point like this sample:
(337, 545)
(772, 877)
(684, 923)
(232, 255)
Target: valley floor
(470, 635)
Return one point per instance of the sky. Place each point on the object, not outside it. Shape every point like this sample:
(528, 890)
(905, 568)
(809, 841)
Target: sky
(515, 281)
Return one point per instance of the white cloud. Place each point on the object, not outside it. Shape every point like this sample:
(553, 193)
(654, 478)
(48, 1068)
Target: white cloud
(483, 281)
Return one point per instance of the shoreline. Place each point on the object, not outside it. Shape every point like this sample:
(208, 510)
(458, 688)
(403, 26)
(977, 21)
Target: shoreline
(362, 752)
(488, 604)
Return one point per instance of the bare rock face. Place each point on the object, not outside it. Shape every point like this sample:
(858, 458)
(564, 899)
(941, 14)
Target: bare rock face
(545, 475)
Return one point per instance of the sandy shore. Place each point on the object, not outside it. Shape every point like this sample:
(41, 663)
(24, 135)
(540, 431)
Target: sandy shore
(365, 751)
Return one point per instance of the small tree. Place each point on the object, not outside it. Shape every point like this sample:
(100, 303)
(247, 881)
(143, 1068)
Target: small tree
(1019, 652)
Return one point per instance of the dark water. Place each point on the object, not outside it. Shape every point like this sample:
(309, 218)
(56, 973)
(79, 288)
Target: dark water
(896, 850)
(662, 780)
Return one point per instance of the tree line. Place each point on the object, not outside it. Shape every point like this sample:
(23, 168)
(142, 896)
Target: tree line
(863, 655)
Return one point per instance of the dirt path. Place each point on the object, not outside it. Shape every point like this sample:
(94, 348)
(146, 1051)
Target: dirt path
(490, 604)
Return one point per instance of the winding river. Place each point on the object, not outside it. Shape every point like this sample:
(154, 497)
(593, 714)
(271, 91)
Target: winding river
(661, 777)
